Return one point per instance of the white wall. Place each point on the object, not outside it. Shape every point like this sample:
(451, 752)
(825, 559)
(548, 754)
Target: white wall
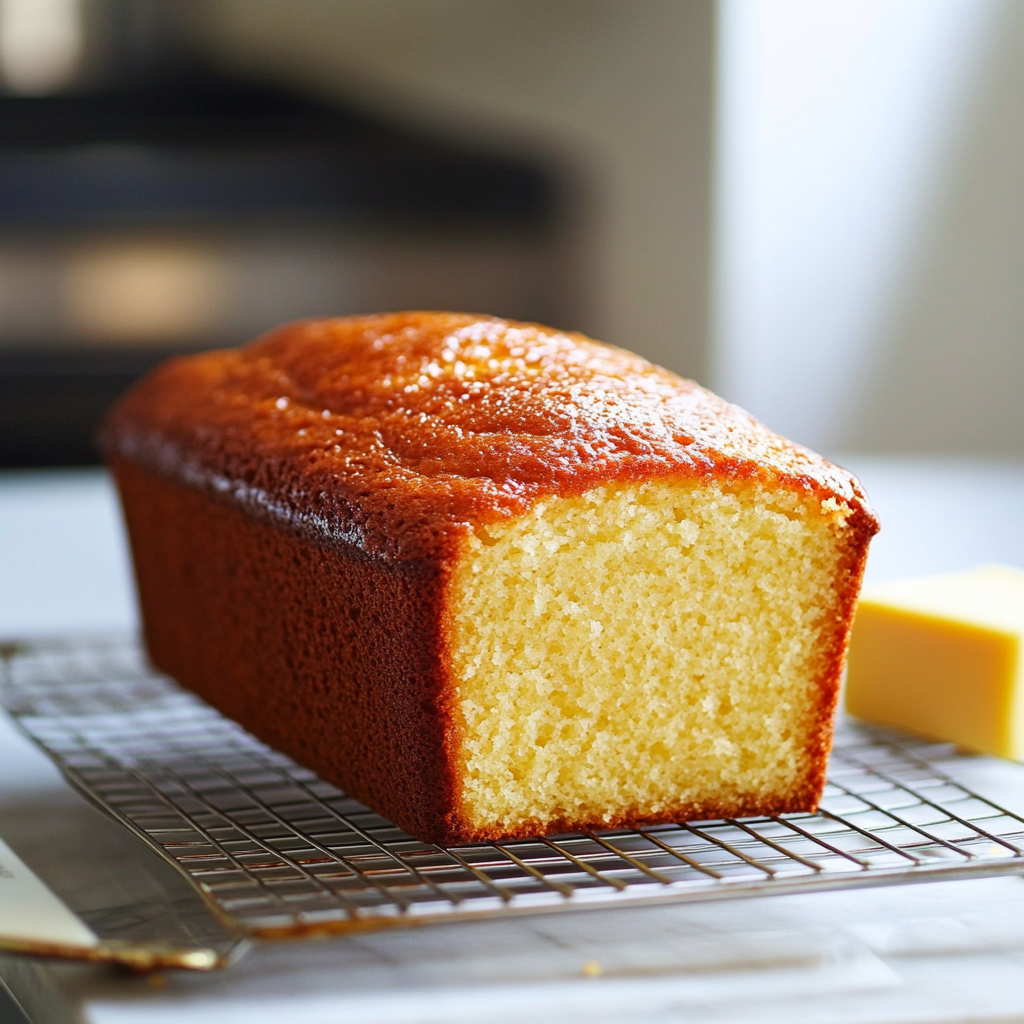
(836, 122)
(949, 373)
(870, 227)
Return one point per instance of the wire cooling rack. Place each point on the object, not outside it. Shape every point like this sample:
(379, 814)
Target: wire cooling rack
(276, 851)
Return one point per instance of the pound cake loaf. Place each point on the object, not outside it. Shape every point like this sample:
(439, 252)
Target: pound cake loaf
(492, 579)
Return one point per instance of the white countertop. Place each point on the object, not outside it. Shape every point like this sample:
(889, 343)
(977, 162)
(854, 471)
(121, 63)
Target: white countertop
(937, 952)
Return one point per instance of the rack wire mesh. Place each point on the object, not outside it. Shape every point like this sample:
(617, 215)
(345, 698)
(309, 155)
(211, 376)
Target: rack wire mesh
(276, 851)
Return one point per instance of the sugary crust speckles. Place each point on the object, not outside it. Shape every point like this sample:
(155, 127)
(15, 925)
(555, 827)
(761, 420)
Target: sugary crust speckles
(397, 433)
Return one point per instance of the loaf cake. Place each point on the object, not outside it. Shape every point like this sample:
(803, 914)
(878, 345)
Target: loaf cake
(492, 579)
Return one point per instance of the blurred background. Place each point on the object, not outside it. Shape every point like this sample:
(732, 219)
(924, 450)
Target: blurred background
(817, 209)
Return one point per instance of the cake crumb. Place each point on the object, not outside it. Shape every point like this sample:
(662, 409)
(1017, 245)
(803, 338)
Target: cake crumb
(716, 605)
(838, 511)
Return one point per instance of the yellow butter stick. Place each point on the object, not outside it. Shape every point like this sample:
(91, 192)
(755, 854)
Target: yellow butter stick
(942, 656)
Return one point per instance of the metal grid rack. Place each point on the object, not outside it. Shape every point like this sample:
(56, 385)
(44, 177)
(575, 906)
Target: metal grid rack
(276, 851)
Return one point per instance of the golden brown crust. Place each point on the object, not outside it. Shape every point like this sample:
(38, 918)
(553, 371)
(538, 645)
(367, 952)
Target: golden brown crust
(346, 461)
(396, 433)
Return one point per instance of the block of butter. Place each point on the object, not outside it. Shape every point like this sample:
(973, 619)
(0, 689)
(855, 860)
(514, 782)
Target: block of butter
(943, 656)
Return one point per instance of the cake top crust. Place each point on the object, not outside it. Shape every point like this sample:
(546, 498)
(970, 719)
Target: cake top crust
(400, 432)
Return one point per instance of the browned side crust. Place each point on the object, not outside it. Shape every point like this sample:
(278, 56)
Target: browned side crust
(848, 584)
(325, 654)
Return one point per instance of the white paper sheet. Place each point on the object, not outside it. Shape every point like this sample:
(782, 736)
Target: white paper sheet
(30, 912)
